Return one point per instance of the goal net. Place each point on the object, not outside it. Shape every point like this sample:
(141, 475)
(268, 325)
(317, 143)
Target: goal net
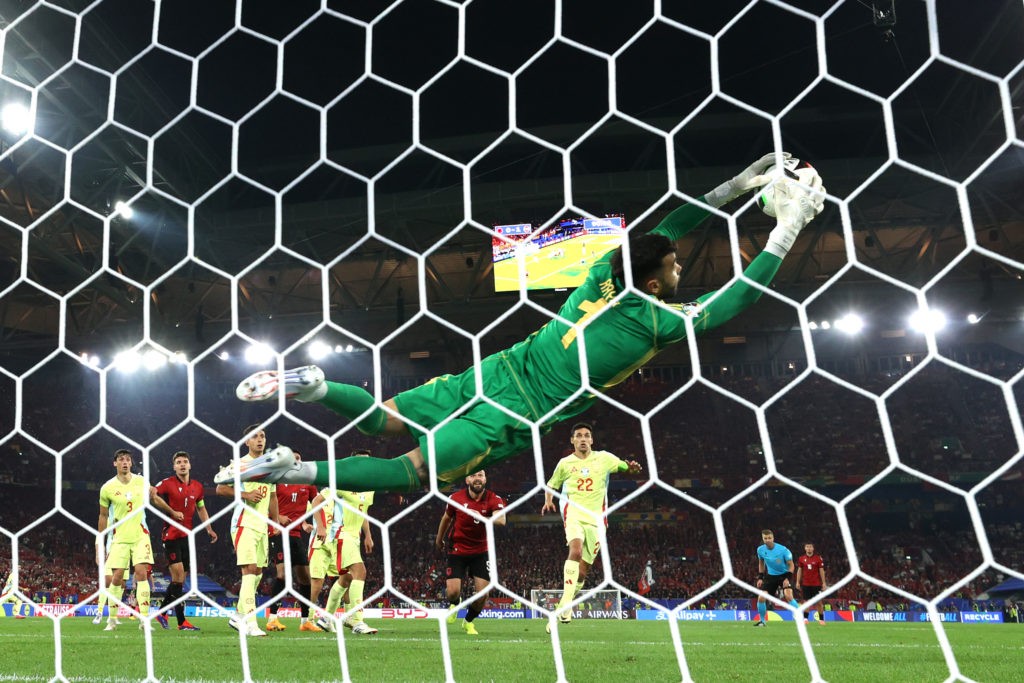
(395, 190)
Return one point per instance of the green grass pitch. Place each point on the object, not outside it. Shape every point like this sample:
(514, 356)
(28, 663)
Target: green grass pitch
(511, 650)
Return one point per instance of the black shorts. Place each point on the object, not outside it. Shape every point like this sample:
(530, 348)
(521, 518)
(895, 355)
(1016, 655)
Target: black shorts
(177, 551)
(297, 547)
(772, 583)
(477, 565)
(809, 592)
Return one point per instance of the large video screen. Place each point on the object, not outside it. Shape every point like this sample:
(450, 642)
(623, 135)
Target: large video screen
(557, 257)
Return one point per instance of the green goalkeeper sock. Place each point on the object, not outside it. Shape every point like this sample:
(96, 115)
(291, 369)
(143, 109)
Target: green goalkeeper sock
(351, 402)
(370, 474)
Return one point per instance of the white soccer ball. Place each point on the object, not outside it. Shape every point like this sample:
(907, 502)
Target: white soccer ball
(766, 197)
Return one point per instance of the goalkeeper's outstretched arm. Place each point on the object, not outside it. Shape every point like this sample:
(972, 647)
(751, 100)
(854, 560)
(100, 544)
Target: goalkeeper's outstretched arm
(796, 207)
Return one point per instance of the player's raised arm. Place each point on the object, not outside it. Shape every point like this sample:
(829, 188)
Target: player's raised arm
(688, 216)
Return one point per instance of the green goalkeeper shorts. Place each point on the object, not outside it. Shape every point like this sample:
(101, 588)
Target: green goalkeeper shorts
(480, 434)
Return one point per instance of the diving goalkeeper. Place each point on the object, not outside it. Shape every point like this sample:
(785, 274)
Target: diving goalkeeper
(537, 377)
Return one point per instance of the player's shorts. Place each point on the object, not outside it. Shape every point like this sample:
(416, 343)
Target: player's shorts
(773, 582)
(251, 547)
(323, 560)
(477, 565)
(349, 549)
(809, 592)
(589, 534)
(177, 551)
(482, 434)
(296, 546)
(127, 555)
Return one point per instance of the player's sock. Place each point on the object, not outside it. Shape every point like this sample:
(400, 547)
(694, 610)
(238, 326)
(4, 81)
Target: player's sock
(276, 588)
(334, 599)
(473, 612)
(362, 474)
(355, 596)
(570, 579)
(762, 610)
(174, 591)
(351, 402)
(304, 590)
(116, 592)
(101, 602)
(142, 594)
(247, 593)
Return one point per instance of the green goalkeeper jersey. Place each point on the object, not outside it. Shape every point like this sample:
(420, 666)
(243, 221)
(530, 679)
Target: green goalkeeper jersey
(628, 333)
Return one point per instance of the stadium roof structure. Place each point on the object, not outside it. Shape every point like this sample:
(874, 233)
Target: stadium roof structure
(168, 154)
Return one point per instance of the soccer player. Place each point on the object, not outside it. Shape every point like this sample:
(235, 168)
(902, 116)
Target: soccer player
(539, 377)
(467, 544)
(582, 477)
(249, 533)
(774, 571)
(323, 551)
(351, 507)
(292, 503)
(185, 495)
(8, 595)
(104, 593)
(124, 497)
(810, 576)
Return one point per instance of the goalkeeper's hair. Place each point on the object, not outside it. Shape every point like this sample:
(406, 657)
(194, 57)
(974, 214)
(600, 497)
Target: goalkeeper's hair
(361, 451)
(646, 253)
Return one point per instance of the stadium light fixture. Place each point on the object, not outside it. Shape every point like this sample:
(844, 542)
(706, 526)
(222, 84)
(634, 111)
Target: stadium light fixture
(224, 355)
(123, 210)
(259, 354)
(929, 320)
(153, 360)
(812, 325)
(128, 361)
(15, 118)
(851, 324)
(826, 325)
(318, 350)
(973, 318)
(178, 357)
(339, 349)
(348, 348)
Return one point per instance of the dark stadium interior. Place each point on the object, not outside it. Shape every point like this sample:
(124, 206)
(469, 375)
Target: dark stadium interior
(211, 261)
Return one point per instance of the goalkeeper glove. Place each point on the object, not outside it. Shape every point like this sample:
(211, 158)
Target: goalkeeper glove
(795, 207)
(751, 177)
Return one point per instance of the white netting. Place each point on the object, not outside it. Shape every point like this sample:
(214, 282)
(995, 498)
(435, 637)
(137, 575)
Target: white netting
(268, 187)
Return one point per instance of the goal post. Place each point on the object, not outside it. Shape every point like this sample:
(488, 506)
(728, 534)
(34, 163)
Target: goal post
(599, 604)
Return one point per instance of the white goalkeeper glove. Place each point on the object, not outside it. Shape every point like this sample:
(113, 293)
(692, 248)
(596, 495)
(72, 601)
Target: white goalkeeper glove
(751, 177)
(795, 207)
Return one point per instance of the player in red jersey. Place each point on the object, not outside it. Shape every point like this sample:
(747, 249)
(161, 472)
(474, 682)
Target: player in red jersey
(185, 495)
(467, 543)
(292, 503)
(810, 576)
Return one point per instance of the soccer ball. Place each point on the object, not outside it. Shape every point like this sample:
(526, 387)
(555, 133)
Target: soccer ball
(802, 174)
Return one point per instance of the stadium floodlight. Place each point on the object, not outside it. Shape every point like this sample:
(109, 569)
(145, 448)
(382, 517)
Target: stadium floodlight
(123, 210)
(339, 349)
(15, 118)
(318, 350)
(259, 354)
(929, 320)
(812, 325)
(973, 318)
(153, 360)
(94, 361)
(851, 324)
(128, 361)
(224, 355)
(826, 325)
(348, 348)
(178, 357)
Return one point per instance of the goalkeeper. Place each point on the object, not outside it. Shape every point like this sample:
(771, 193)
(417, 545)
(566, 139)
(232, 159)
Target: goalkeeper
(537, 377)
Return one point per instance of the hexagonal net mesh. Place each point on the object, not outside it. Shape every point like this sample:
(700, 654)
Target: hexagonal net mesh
(193, 192)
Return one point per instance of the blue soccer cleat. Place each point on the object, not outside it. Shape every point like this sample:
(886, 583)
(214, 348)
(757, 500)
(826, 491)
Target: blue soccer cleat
(270, 467)
(187, 626)
(162, 618)
(299, 383)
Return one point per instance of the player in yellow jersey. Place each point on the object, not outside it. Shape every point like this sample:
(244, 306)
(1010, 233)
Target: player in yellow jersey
(582, 477)
(249, 533)
(351, 525)
(8, 595)
(124, 498)
(323, 550)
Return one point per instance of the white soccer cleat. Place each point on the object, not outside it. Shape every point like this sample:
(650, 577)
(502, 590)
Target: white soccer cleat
(235, 622)
(254, 630)
(111, 625)
(363, 629)
(98, 620)
(299, 383)
(325, 624)
(349, 623)
(269, 467)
